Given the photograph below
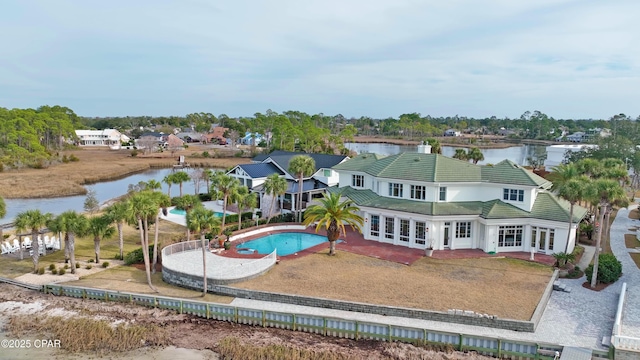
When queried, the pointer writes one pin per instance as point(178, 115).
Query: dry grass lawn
point(636, 258)
point(95, 165)
point(631, 241)
point(498, 286)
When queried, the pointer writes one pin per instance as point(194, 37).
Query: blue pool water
point(183, 213)
point(284, 243)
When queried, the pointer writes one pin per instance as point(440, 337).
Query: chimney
point(424, 149)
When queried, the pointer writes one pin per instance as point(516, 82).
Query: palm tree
point(169, 180)
point(475, 155)
point(460, 154)
point(332, 214)
point(606, 192)
point(162, 201)
point(436, 148)
point(153, 185)
point(244, 199)
point(224, 186)
point(142, 207)
point(180, 177)
point(275, 185)
point(117, 212)
point(302, 166)
point(572, 190)
point(33, 220)
point(207, 174)
point(562, 173)
point(72, 223)
point(187, 203)
point(201, 220)
point(100, 228)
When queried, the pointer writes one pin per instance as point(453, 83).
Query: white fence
point(618, 340)
point(183, 246)
point(267, 230)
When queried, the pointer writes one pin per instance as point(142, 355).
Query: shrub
point(65, 159)
point(41, 270)
point(66, 266)
point(52, 267)
point(609, 269)
point(77, 265)
point(62, 271)
point(54, 271)
point(88, 267)
point(204, 196)
point(90, 260)
point(134, 153)
point(73, 158)
point(136, 257)
point(105, 264)
point(205, 154)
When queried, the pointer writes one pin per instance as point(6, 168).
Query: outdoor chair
point(56, 243)
point(12, 248)
point(26, 243)
point(4, 249)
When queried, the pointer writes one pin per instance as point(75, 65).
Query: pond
point(104, 191)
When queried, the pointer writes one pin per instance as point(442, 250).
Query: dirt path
point(191, 337)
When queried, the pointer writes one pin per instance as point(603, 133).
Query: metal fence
point(183, 246)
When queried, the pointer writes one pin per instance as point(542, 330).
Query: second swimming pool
point(284, 243)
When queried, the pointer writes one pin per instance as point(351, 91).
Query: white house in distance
point(418, 199)
point(107, 137)
point(253, 176)
point(556, 153)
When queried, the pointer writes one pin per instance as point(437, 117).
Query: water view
point(111, 189)
point(104, 191)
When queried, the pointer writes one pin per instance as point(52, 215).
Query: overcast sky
point(378, 58)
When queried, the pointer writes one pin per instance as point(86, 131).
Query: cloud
point(567, 58)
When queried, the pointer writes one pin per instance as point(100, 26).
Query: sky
point(380, 58)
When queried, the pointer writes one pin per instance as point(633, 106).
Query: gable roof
point(546, 207)
point(438, 168)
point(260, 170)
point(508, 172)
point(282, 159)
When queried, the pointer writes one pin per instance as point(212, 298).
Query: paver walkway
point(630, 272)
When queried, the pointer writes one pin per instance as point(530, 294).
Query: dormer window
point(395, 189)
point(513, 195)
point(357, 181)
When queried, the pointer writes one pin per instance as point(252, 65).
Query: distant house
point(107, 137)
point(216, 135)
point(576, 137)
point(251, 139)
point(189, 137)
point(452, 132)
point(173, 142)
point(159, 136)
point(253, 175)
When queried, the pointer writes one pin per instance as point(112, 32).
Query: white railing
point(617, 325)
point(252, 267)
point(266, 230)
point(183, 246)
point(625, 342)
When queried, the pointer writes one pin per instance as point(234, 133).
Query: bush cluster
point(52, 267)
point(62, 271)
point(105, 264)
point(88, 267)
point(609, 269)
point(136, 256)
point(41, 270)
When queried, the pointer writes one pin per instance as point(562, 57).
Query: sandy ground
point(49, 278)
point(192, 338)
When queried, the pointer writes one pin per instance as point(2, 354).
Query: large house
point(107, 137)
point(254, 175)
point(422, 199)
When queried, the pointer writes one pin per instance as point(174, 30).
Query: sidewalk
point(587, 256)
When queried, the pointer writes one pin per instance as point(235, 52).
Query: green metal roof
point(508, 172)
point(438, 168)
point(546, 207)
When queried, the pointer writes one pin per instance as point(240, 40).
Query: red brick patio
point(355, 243)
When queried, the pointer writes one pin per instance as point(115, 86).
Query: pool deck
point(355, 243)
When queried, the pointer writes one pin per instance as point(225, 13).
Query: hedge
point(609, 269)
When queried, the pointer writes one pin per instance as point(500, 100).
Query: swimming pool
point(177, 211)
point(284, 243)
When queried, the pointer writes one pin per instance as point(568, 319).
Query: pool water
point(176, 211)
point(284, 243)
